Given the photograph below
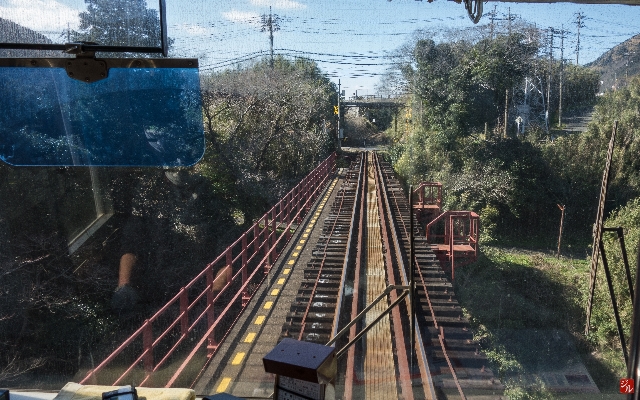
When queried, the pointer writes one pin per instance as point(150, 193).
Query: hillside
point(10, 32)
point(613, 63)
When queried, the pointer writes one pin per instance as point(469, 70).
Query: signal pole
point(339, 114)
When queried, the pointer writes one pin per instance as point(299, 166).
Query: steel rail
point(355, 320)
point(403, 359)
point(347, 255)
point(435, 322)
point(349, 374)
point(446, 356)
point(433, 315)
point(422, 360)
point(383, 314)
point(326, 245)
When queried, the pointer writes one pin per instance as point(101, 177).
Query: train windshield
point(167, 221)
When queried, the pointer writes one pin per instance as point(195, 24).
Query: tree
point(119, 23)
point(266, 127)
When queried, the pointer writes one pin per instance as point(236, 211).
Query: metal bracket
point(84, 67)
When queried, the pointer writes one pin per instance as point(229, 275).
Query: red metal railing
point(429, 193)
point(460, 234)
point(250, 257)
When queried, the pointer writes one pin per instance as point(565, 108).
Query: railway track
point(316, 309)
point(457, 366)
point(363, 248)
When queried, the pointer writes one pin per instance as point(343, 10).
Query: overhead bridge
point(329, 264)
point(375, 102)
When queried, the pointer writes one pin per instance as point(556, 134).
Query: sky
point(351, 39)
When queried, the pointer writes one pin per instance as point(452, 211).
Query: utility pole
point(493, 17)
point(627, 54)
point(550, 69)
point(562, 208)
point(506, 112)
point(270, 23)
point(579, 24)
point(561, 72)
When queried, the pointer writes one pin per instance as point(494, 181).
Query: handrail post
point(296, 203)
point(451, 248)
point(211, 317)
point(184, 314)
point(147, 345)
point(412, 286)
point(256, 238)
point(229, 257)
point(286, 214)
point(274, 235)
point(264, 243)
point(245, 293)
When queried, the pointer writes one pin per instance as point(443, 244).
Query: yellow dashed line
point(291, 262)
point(250, 337)
point(237, 359)
point(302, 241)
point(259, 320)
point(281, 281)
point(298, 247)
point(308, 230)
point(286, 271)
point(295, 255)
point(224, 384)
point(275, 292)
point(268, 305)
point(305, 235)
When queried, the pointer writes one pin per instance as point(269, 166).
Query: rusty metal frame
point(433, 198)
point(469, 236)
point(261, 239)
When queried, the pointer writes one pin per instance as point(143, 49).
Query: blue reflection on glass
point(135, 117)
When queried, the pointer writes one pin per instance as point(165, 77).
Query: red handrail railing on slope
point(250, 256)
point(460, 228)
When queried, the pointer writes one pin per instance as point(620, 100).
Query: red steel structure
point(194, 315)
point(429, 201)
point(459, 240)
